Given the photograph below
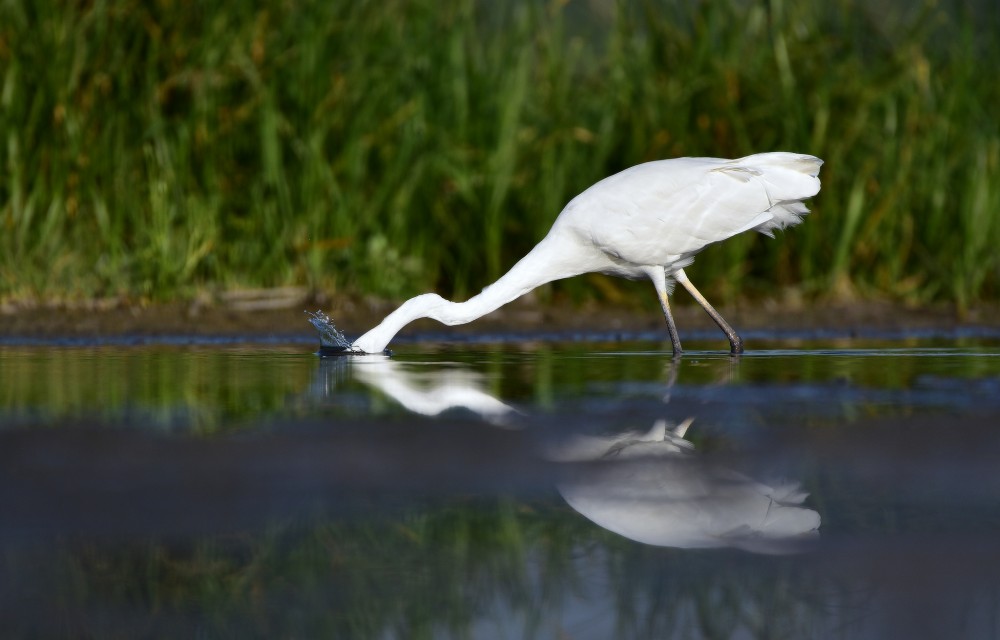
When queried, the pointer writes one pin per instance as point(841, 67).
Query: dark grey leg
point(659, 278)
point(735, 342)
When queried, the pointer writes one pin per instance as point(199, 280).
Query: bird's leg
point(675, 339)
point(659, 278)
point(735, 342)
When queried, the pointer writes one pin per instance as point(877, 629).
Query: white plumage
point(648, 221)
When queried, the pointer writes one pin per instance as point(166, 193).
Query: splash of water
point(330, 338)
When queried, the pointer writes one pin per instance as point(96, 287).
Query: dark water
point(839, 488)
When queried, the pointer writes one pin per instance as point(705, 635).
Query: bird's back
point(663, 212)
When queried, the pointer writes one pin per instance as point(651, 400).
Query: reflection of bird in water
point(652, 488)
point(434, 393)
point(647, 486)
point(429, 392)
point(645, 222)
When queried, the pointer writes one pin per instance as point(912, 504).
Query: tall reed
point(154, 149)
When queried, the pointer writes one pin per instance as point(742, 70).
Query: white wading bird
point(645, 222)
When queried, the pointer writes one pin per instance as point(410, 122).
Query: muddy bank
point(276, 313)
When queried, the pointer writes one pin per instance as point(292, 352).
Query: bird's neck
point(548, 261)
point(536, 268)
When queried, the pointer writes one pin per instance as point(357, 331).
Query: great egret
point(648, 221)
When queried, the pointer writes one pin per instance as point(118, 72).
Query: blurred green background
point(157, 149)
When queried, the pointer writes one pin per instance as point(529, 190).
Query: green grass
point(155, 149)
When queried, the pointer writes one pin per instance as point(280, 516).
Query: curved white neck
point(545, 263)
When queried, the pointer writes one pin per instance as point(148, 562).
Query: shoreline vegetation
point(153, 152)
point(277, 314)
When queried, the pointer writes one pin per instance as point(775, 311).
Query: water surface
point(587, 489)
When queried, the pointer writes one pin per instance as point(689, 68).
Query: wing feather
point(665, 211)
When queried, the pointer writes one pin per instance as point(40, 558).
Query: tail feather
point(788, 179)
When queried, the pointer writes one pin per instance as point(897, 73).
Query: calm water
point(846, 489)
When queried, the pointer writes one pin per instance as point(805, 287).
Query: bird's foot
point(736, 346)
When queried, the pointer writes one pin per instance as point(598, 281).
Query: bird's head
point(422, 306)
